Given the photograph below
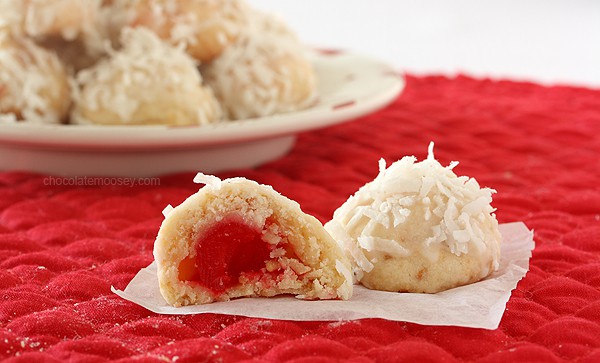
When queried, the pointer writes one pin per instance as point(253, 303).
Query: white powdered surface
point(478, 305)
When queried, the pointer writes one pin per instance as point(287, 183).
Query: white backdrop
point(548, 41)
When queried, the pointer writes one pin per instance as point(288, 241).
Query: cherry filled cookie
point(237, 238)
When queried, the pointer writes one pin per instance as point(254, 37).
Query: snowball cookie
point(48, 18)
point(72, 28)
point(264, 72)
point(419, 228)
point(237, 238)
point(34, 86)
point(147, 82)
point(206, 27)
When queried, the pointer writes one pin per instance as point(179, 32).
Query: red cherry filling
point(225, 251)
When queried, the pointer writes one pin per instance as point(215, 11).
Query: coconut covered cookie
point(147, 82)
point(205, 27)
point(136, 62)
point(265, 71)
point(237, 238)
point(418, 227)
point(34, 85)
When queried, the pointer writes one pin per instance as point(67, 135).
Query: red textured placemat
point(61, 248)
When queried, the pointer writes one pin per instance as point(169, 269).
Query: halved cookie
point(237, 238)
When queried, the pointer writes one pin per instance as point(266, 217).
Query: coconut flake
point(168, 209)
point(271, 238)
point(430, 155)
point(478, 205)
point(382, 166)
point(453, 164)
point(384, 245)
point(345, 241)
point(278, 252)
point(345, 290)
point(209, 180)
point(400, 215)
point(375, 216)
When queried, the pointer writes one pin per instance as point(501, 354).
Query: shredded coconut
point(345, 241)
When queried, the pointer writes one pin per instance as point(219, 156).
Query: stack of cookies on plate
point(148, 62)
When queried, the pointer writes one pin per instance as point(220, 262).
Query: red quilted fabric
point(61, 248)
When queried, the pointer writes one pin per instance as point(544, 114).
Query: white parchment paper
point(478, 305)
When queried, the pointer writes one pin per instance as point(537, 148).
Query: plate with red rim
point(349, 86)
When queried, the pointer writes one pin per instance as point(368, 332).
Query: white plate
point(350, 86)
